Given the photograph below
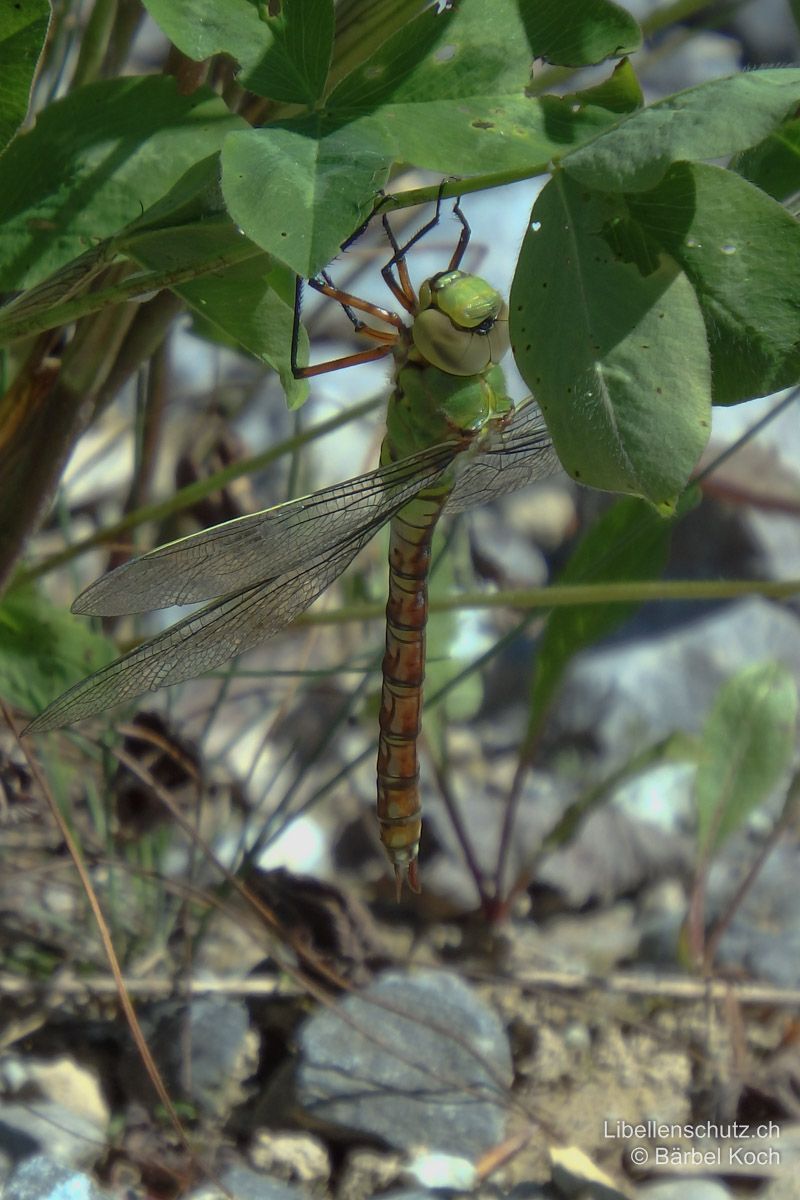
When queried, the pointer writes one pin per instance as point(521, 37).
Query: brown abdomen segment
point(399, 808)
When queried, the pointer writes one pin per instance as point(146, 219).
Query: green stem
point(569, 595)
point(94, 43)
point(131, 288)
point(462, 187)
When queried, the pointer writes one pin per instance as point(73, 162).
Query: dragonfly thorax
point(462, 323)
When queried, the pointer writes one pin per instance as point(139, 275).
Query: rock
point(244, 1184)
point(215, 1033)
point(595, 942)
point(367, 1173)
point(662, 796)
point(775, 535)
point(763, 938)
point(65, 1082)
point(576, 1176)
point(663, 912)
point(630, 840)
point(448, 1171)
point(503, 554)
point(412, 1194)
point(783, 1186)
point(481, 806)
point(627, 694)
point(765, 471)
point(28, 1129)
point(41, 1178)
point(612, 855)
point(532, 1191)
point(293, 1157)
point(434, 1079)
point(685, 1188)
point(61, 1111)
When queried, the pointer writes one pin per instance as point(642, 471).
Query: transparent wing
point(304, 545)
point(513, 456)
point(244, 552)
point(203, 640)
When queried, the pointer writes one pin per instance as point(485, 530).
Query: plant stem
point(94, 43)
point(569, 595)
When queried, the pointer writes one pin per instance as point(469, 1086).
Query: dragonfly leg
point(337, 364)
point(381, 335)
point(386, 338)
point(383, 198)
point(402, 288)
point(403, 291)
point(463, 241)
point(348, 300)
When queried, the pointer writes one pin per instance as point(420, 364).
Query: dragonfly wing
point(203, 640)
point(514, 455)
point(243, 552)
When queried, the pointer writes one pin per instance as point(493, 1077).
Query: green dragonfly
point(453, 440)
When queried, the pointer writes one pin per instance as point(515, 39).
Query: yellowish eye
point(460, 351)
point(462, 325)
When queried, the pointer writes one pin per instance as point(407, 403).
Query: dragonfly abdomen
point(399, 807)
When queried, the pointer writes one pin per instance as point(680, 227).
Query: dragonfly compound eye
point(458, 350)
point(462, 326)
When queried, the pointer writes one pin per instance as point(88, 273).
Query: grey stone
point(39, 1125)
point(763, 938)
point(40, 1178)
point(414, 1060)
point(631, 693)
point(685, 1188)
point(245, 1184)
point(215, 1033)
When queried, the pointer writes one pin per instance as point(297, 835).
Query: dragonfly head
point(462, 323)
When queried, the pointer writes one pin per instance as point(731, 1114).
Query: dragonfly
point(453, 440)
